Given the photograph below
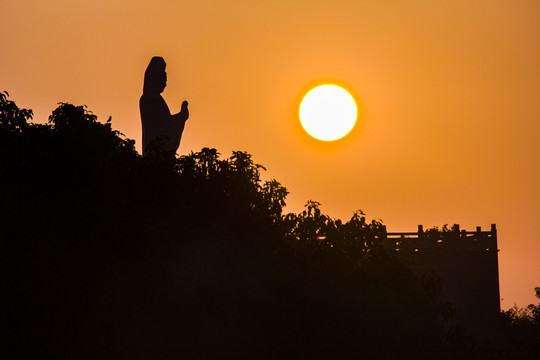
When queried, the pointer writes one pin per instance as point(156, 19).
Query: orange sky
point(449, 90)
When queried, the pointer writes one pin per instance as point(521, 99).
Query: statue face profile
point(162, 81)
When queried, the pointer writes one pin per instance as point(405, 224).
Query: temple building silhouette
point(467, 264)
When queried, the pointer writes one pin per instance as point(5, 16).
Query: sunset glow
point(447, 95)
point(328, 112)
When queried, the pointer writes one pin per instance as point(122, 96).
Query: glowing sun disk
point(328, 112)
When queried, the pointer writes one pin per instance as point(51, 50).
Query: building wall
point(467, 264)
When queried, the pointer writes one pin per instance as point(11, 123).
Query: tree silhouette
point(519, 336)
point(106, 252)
point(12, 119)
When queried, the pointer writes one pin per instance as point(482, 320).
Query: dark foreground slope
point(109, 255)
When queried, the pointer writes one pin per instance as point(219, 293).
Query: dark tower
point(466, 262)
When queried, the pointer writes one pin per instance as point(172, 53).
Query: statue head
point(155, 77)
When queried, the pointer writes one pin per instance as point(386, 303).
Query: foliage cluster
point(108, 254)
point(520, 331)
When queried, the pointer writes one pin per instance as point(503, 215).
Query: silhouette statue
point(161, 131)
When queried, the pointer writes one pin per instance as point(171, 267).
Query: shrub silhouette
point(107, 254)
point(519, 336)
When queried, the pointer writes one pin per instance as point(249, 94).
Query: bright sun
point(328, 112)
